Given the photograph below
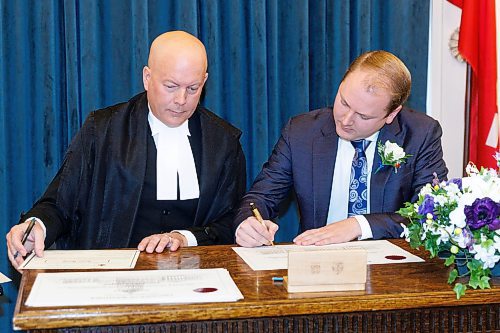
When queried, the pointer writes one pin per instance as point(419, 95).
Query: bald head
point(174, 76)
point(177, 45)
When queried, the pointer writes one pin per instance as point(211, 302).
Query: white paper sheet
point(276, 257)
point(4, 279)
point(133, 287)
point(82, 259)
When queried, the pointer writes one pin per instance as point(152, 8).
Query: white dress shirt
point(337, 210)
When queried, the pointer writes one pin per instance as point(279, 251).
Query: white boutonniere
point(391, 155)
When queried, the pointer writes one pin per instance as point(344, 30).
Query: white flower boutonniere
point(391, 155)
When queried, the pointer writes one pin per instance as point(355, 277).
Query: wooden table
point(398, 298)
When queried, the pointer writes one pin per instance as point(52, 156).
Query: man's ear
point(146, 76)
point(393, 115)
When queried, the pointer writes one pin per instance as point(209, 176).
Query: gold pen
point(257, 215)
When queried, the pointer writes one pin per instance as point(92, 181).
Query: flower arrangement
point(391, 155)
point(460, 219)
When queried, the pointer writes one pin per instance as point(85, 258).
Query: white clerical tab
point(174, 160)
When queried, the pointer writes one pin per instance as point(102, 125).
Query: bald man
point(157, 172)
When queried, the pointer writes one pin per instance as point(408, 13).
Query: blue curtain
point(268, 60)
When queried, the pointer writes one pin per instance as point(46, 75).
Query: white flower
point(471, 169)
point(391, 155)
point(496, 245)
point(457, 217)
point(482, 186)
point(453, 192)
point(405, 233)
point(444, 234)
point(441, 200)
point(486, 255)
point(461, 240)
point(427, 189)
point(397, 152)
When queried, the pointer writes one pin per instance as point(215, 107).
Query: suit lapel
point(324, 155)
point(380, 178)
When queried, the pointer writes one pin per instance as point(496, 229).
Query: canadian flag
point(477, 45)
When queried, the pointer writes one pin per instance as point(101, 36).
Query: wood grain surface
point(398, 297)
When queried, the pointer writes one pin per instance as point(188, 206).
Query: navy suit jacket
point(304, 159)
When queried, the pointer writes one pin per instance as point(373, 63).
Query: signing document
point(82, 259)
point(133, 287)
point(276, 257)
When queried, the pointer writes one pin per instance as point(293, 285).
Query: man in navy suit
point(315, 154)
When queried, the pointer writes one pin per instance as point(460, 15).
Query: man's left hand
point(159, 242)
point(338, 232)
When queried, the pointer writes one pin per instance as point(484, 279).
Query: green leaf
point(450, 260)
point(459, 290)
point(484, 282)
point(474, 279)
point(389, 158)
point(431, 245)
point(453, 276)
point(487, 243)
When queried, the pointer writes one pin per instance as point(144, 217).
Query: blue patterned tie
point(358, 191)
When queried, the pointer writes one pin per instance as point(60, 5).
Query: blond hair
point(389, 73)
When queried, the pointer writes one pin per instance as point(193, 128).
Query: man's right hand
point(35, 241)
point(252, 233)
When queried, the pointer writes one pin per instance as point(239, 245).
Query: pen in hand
point(257, 215)
point(26, 234)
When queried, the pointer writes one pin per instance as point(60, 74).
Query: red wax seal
point(395, 257)
point(205, 290)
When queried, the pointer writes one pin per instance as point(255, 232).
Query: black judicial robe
point(93, 200)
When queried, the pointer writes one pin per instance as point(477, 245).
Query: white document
point(4, 279)
point(82, 259)
point(276, 257)
point(133, 287)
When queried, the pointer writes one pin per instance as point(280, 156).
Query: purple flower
point(457, 181)
point(483, 212)
point(435, 180)
point(468, 238)
point(426, 207)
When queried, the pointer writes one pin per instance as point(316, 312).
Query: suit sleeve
point(272, 184)
point(429, 160)
point(56, 205)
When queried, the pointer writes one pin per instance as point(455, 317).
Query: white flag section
point(82, 259)
point(494, 133)
point(133, 287)
point(276, 257)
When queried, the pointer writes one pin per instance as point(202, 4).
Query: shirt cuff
point(40, 223)
point(366, 230)
point(189, 236)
